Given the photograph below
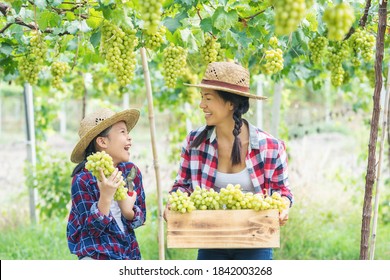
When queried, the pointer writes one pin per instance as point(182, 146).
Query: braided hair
point(89, 151)
point(241, 106)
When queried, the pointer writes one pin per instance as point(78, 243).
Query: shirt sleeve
point(85, 200)
point(279, 179)
point(139, 207)
point(183, 178)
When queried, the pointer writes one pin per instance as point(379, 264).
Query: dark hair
point(91, 148)
point(241, 106)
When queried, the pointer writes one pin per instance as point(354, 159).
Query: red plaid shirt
point(266, 162)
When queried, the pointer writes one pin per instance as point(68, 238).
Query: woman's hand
point(283, 215)
point(167, 208)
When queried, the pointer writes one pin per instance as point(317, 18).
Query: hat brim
point(130, 117)
point(258, 97)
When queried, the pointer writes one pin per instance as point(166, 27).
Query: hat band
point(226, 85)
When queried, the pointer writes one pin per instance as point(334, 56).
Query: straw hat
point(95, 123)
point(229, 77)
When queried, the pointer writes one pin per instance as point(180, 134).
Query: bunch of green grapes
point(58, 71)
point(337, 54)
point(151, 15)
point(318, 47)
point(30, 65)
point(231, 196)
point(189, 94)
point(174, 64)
point(363, 42)
point(288, 14)
point(339, 20)
point(154, 41)
point(209, 51)
point(103, 161)
point(205, 199)
point(273, 61)
point(180, 202)
point(117, 47)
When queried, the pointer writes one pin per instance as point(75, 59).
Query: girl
point(98, 226)
point(230, 150)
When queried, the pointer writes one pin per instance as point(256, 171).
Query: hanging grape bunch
point(154, 41)
point(318, 47)
point(103, 161)
point(288, 14)
point(363, 42)
point(58, 70)
point(190, 94)
point(30, 64)
point(209, 51)
point(339, 20)
point(117, 46)
point(338, 53)
point(151, 15)
point(174, 64)
point(273, 61)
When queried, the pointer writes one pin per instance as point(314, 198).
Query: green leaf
point(48, 19)
point(6, 49)
point(41, 4)
point(224, 20)
point(95, 39)
point(206, 24)
point(172, 24)
point(189, 39)
point(95, 18)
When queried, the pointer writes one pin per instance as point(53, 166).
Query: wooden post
point(155, 155)
point(31, 152)
point(378, 177)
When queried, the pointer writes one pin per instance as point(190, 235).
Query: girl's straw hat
point(95, 123)
point(229, 77)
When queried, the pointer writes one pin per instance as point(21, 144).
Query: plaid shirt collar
point(253, 136)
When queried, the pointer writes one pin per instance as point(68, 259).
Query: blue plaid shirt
point(90, 233)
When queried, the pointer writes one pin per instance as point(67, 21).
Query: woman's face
point(118, 143)
point(216, 110)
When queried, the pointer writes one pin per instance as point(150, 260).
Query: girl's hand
point(127, 205)
point(107, 187)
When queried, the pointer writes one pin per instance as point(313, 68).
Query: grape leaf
point(48, 19)
point(41, 4)
point(224, 20)
point(206, 24)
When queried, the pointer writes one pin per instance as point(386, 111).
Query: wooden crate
point(223, 229)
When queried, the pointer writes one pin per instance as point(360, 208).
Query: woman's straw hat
point(95, 123)
point(229, 77)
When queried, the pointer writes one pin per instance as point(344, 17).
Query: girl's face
point(216, 110)
point(117, 143)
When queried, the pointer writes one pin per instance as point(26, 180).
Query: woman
point(230, 150)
